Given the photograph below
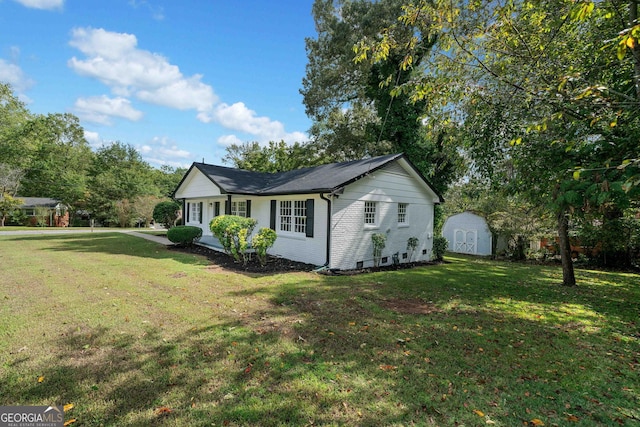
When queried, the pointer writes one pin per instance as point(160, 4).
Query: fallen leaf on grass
point(41, 378)
point(387, 367)
point(573, 418)
point(68, 423)
point(536, 422)
point(68, 407)
point(478, 412)
point(163, 410)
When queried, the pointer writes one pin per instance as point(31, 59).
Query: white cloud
point(238, 117)
point(93, 138)
point(157, 12)
point(100, 109)
point(114, 59)
point(228, 140)
point(42, 4)
point(13, 74)
point(163, 151)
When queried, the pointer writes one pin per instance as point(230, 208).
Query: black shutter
point(272, 218)
point(310, 215)
point(248, 208)
point(200, 213)
point(227, 205)
point(216, 209)
point(188, 209)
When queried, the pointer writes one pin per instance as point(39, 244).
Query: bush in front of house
point(233, 233)
point(185, 235)
point(261, 243)
point(440, 245)
point(166, 213)
point(379, 241)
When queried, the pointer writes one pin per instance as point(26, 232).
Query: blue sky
point(178, 80)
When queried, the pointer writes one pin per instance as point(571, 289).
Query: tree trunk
point(568, 277)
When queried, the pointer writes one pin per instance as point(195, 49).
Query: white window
point(370, 213)
point(194, 212)
point(239, 208)
point(293, 216)
point(402, 213)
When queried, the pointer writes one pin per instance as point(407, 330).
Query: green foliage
point(412, 245)
point(117, 173)
point(379, 241)
point(185, 235)
point(354, 112)
point(234, 233)
point(275, 157)
point(8, 205)
point(261, 242)
point(166, 213)
point(440, 245)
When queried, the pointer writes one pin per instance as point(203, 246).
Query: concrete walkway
point(158, 239)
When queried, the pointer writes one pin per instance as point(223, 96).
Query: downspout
point(328, 228)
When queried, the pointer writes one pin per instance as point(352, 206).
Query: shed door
point(465, 241)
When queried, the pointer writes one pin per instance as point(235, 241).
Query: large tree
point(550, 106)
point(353, 114)
point(117, 173)
point(13, 115)
point(58, 160)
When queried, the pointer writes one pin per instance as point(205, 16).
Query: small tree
point(261, 242)
point(379, 242)
point(234, 234)
point(8, 204)
point(166, 213)
point(412, 245)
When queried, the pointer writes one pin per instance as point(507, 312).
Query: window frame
point(370, 213)
point(292, 217)
point(235, 208)
point(404, 215)
point(194, 212)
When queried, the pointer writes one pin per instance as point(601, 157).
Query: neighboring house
point(468, 233)
point(51, 211)
point(323, 215)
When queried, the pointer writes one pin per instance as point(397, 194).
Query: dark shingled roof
point(34, 202)
point(318, 179)
point(323, 178)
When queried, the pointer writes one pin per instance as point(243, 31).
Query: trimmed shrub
point(166, 213)
point(261, 242)
point(440, 245)
point(234, 232)
point(185, 235)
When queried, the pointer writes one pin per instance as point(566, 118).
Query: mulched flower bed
point(281, 265)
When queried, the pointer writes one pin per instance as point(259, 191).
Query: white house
point(468, 233)
point(323, 215)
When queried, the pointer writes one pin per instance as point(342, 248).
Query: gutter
point(328, 255)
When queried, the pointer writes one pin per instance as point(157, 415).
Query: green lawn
point(133, 334)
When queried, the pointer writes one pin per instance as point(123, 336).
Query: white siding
point(351, 238)
point(296, 246)
point(197, 185)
